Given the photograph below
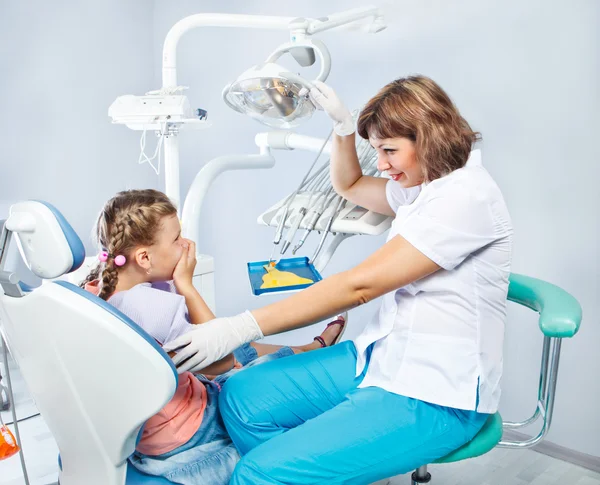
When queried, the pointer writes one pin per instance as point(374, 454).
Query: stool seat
point(487, 438)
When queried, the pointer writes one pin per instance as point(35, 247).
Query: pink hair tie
point(120, 260)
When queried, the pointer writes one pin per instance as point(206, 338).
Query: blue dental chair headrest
point(47, 242)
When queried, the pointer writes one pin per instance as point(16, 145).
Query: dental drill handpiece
point(316, 210)
point(340, 206)
point(292, 230)
point(317, 183)
point(312, 217)
point(278, 233)
point(280, 226)
point(315, 179)
point(307, 180)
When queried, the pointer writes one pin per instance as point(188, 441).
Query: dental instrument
point(301, 210)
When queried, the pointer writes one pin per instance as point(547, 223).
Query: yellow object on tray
point(274, 278)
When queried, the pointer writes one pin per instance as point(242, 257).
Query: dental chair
point(96, 376)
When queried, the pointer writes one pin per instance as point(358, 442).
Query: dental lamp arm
point(395, 265)
point(371, 16)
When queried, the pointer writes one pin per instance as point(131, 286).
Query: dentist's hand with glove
point(422, 377)
point(325, 98)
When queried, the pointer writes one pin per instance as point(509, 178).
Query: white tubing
point(288, 140)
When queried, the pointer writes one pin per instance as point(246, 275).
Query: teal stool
point(560, 317)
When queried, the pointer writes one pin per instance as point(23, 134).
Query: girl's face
point(397, 157)
point(165, 253)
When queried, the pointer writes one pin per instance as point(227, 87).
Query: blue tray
point(299, 266)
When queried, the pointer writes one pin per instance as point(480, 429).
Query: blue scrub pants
point(302, 420)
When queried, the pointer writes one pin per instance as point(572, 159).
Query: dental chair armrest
point(560, 313)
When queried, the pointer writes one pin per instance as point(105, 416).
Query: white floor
point(499, 467)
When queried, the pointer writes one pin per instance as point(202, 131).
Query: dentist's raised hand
point(212, 341)
point(325, 98)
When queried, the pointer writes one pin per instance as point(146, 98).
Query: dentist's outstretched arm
point(395, 265)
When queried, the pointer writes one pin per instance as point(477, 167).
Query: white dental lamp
point(274, 96)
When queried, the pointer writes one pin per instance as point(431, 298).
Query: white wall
point(62, 64)
point(523, 73)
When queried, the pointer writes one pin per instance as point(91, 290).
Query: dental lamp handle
point(305, 83)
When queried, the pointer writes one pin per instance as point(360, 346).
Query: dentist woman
point(424, 374)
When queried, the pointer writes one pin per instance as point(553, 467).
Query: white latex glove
point(211, 341)
point(325, 98)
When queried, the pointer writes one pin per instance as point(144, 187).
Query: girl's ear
point(142, 258)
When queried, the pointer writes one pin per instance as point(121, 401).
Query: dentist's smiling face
point(397, 157)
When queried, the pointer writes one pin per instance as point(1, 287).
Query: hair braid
point(110, 274)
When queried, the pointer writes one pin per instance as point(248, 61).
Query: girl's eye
point(389, 150)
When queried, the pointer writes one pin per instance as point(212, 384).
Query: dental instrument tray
point(299, 266)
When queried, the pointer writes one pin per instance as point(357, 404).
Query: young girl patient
point(145, 271)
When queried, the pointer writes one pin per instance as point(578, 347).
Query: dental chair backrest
point(95, 376)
